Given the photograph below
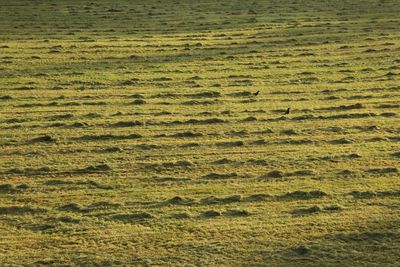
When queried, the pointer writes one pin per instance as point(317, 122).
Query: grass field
point(130, 133)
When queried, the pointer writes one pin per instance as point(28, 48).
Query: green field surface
point(131, 133)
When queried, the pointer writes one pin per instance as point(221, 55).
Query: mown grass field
point(130, 133)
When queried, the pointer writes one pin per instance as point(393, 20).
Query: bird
point(256, 93)
point(287, 111)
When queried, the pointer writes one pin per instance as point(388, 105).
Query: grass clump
point(43, 139)
point(132, 217)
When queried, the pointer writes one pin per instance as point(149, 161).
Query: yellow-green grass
point(130, 135)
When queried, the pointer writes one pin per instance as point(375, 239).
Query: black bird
point(256, 93)
point(287, 111)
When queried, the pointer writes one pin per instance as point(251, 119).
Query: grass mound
point(208, 94)
point(216, 176)
point(224, 200)
point(107, 137)
point(182, 215)
point(180, 201)
point(223, 161)
point(43, 139)
point(237, 213)
point(307, 211)
point(273, 174)
point(132, 217)
point(187, 134)
point(210, 214)
point(138, 102)
point(258, 197)
point(384, 170)
point(301, 173)
point(10, 189)
point(395, 154)
point(71, 207)
point(304, 194)
point(231, 144)
point(95, 168)
point(20, 210)
point(127, 124)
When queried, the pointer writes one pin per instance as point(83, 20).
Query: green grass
point(130, 135)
